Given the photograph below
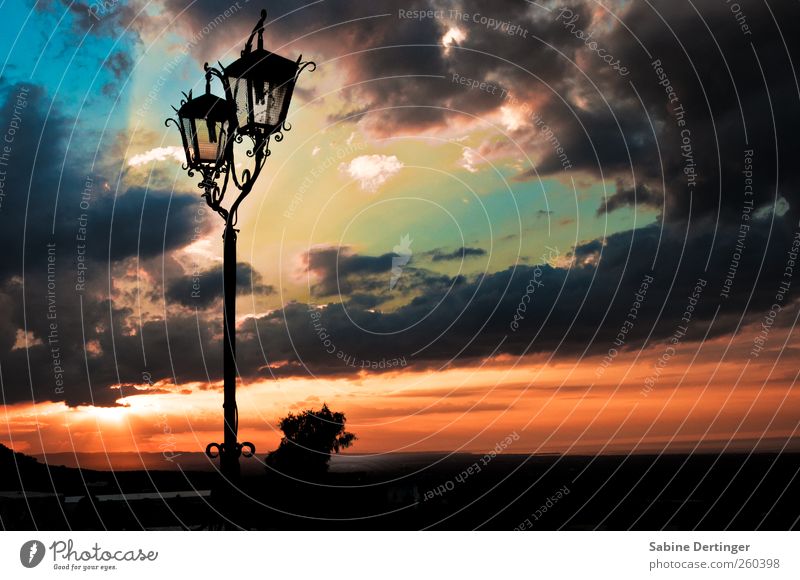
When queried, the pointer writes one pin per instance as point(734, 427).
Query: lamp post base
point(229, 460)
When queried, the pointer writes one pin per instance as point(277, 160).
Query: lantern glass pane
point(262, 105)
point(240, 97)
point(210, 141)
point(188, 134)
point(268, 102)
point(206, 141)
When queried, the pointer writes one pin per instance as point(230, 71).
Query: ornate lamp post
point(258, 87)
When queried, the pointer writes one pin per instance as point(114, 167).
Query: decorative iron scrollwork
point(210, 454)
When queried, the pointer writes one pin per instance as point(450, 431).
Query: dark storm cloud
point(629, 196)
point(66, 238)
point(203, 289)
point(365, 301)
point(459, 254)
point(569, 311)
point(407, 72)
point(110, 18)
point(733, 92)
point(120, 64)
point(339, 271)
point(335, 268)
point(50, 194)
point(587, 252)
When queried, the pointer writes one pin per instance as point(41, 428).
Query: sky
point(577, 222)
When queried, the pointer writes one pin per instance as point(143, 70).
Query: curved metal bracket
point(210, 454)
point(251, 449)
point(244, 449)
point(286, 126)
point(308, 64)
point(212, 71)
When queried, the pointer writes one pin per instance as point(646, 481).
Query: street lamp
point(258, 88)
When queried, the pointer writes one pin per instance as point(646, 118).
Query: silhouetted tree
point(308, 440)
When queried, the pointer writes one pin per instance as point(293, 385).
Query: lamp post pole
point(258, 88)
point(231, 449)
point(229, 454)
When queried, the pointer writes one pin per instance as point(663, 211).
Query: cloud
point(204, 288)
point(454, 35)
point(779, 208)
point(577, 309)
point(335, 268)
point(372, 171)
point(158, 154)
point(459, 254)
point(712, 114)
point(366, 280)
point(71, 246)
point(635, 197)
point(469, 160)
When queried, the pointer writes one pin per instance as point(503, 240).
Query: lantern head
point(203, 123)
point(261, 85)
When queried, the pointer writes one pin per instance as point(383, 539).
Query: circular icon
point(31, 553)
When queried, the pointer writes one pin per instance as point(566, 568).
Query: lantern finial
point(258, 28)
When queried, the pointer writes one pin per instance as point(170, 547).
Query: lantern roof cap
point(262, 64)
point(206, 106)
